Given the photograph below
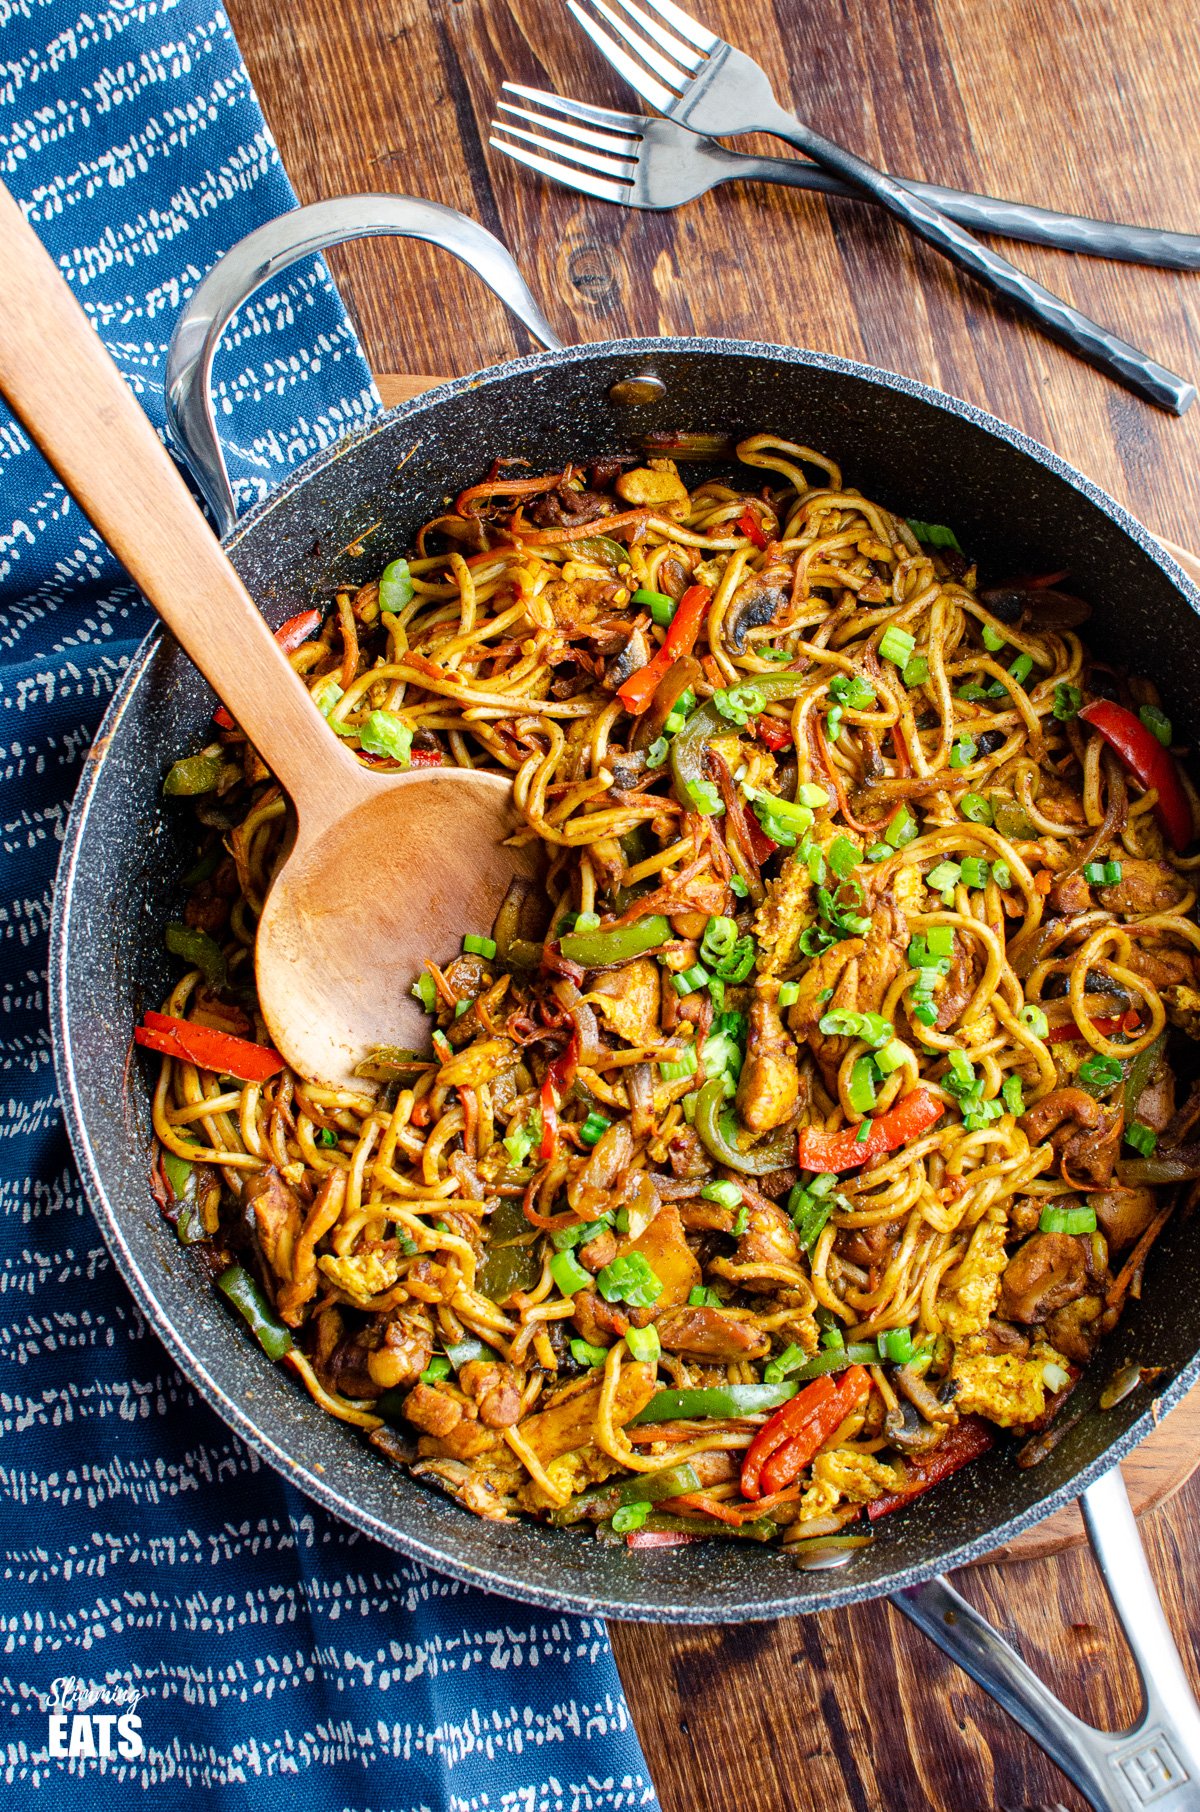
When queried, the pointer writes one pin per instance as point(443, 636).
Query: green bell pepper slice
point(600, 1502)
point(718, 1135)
point(721, 1400)
point(688, 746)
point(597, 949)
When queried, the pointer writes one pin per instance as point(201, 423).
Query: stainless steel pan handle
point(1155, 1764)
point(260, 256)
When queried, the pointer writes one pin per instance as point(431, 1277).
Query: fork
point(703, 83)
point(640, 162)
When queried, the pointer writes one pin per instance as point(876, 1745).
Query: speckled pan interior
point(1013, 504)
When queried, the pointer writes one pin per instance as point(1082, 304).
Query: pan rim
point(498, 1575)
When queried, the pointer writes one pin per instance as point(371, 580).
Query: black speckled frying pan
point(926, 455)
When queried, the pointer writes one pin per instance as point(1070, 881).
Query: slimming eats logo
point(89, 1722)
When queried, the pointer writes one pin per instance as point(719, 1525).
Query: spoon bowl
point(384, 869)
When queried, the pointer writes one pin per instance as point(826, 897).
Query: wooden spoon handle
point(61, 384)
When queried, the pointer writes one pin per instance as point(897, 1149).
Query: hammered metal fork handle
point(1156, 1763)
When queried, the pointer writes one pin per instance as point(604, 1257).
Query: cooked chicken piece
point(657, 485)
point(1085, 1135)
point(1023, 1216)
point(835, 969)
point(467, 1440)
point(589, 1189)
point(599, 1251)
point(872, 1247)
point(960, 985)
point(275, 1209)
point(769, 1244)
point(1059, 799)
point(664, 1247)
point(715, 1467)
point(783, 915)
point(209, 903)
point(1003, 1337)
point(1155, 1106)
point(711, 1333)
point(598, 1322)
point(432, 1411)
point(687, 1157)
point(1163, 965)
point(769, 1085)
point(630, 999)
point(403, 1353)
point(572, 1423)
point(883, 957)
point(1144, 887)
point(478, 1063)
point(1069, 896)
point(1075, 1330)
point(1048, 1271)
point(1183, 1009)
point(1124, 1214)
point(495, 1389)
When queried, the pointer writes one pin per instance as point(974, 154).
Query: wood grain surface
point(1091, 105)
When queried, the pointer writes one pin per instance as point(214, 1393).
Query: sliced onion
point(824, 1552)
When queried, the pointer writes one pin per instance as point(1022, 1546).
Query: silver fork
point(703, 83)
point(639, 162)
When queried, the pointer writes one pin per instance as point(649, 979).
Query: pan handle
point(258, 257)
point(1154, 1764)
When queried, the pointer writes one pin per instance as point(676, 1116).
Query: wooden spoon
point(384, 869)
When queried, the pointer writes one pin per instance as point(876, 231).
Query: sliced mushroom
point(907, 1429)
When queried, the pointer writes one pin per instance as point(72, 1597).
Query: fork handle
point(1154, 246)
point(1126, 363)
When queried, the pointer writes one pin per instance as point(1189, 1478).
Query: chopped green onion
point(782, 820)
point(843, 856)
point(700, 1297)
point(939, 940)
point(741, 1221)
point(662, 608)
point(738, 704)
point(1021, 668)
point(479, 946)
point(584, 1353)
point(896, 645)
point(790, 1360)
point(1067, 1220)
point(944, 877)
point(879, 852)
point(439, 1367)
point(891, 1057)
point(594, 1128)
point(975, 807)
point(738, 887)
point(384, 733)
point(629, 1516)
point(861, 1093)
point(657, 753)
point(993, 641)
point(630, 1279)
point(1102, 874)
point(789, 994)
point(680, 711)
point(737, 965)
point(925, 1011)
point(1012, 1094)
point(963, 753)
point(901, 828)
point(720, 936)
point(1001, 875)
point(586, 921)
point(1067, 700)
point(727, 1194)
point(934, 534)
point(1157, 723)
point(461, 1007)
point(396, 588)
point(327, 1137)
point(896, 1345)
point(852, 690)
point(686, 1066)
point(426, 992)
point(1034, 1020)
point(974, 871)
point(833, 1340)
point(811, 795)
point(703, 796)
point(691, 979)
point(644, 1343)
point(1142, 1138)
point(916, 671)
point(863, 1133)
point(1098, 1074)
point(568, 1273)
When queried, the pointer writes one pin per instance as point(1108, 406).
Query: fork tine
point(600, 141)
point(658, 34)
point(579, 110)
point(571, 179)
point(686, 27)
point(638, 78)
point(606, 166)
point(670, 73)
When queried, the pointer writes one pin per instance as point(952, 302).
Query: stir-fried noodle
point(816, 1117)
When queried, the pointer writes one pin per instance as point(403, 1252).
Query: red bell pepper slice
point(640, 687)
point(557, 1081)
point(1069, 1033)
point(425, 758)
point(781, 1450)
point(772, 733)
point(1145, 757)
point(963, 1443)
point(289, 635)
point(208, 1048)
point(911, 1116)
point(750, 525)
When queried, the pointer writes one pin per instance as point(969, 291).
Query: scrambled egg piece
point(571, 1473)
point(908, 889)
point(858, 1477)
point(783, 915)
point(1183, 1008)
point(967, 1306)
point(367, 1274)
point(1008, 1390)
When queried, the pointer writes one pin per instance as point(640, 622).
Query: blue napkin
point(221, 1636)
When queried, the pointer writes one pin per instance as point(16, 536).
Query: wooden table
point(1090, 107)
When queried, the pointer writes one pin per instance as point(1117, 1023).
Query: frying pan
point(337, 520)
